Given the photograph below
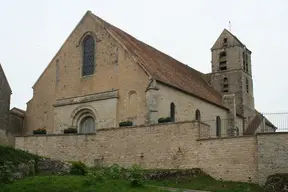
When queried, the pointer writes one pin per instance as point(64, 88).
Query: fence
point(265, 122)
point(279, 120)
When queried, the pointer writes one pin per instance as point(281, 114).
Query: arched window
point(88, 65)
point(172, 111)
point(225, 85)
point(218, 126)
point(198, 115)
point(87, 125)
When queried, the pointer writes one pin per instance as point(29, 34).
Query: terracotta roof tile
point(255, 123)
point(166, 69)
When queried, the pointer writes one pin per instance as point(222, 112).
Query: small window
point(225, 85)
point(223, 65)
point(222, 54)
point(172, 111)
point(247, 85)
point(198, 115)
point(225, 40)
point(218, 126)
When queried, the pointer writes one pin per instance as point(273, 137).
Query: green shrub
point(165, 119)
point(125, 123)
point(113, 172)
point(70, 130)
point(78, 168)
point(6, 172)
point(136, 176)
point(93, 178)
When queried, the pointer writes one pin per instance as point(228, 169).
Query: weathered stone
point(55, 167)
point(174, 174)
point(277, 183)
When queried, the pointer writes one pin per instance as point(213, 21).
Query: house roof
point(2, 71)
point(18, 111)
point(255, 123)
point(163, 67)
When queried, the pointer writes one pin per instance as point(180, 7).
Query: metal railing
point(263, 123)
point(279, 120)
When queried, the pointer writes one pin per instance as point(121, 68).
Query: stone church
point(101, 76)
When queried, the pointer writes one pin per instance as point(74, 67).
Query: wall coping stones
point(219, 138)
point(114, 128)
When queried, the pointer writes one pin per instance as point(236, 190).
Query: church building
point(102, 76)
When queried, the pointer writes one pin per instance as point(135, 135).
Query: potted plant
point(70, 130)
point(39, 131)
point(125, 123)
point(165, 119)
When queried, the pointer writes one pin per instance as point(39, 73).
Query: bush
point(70, 130)
point(165, 120)
point(39, 131)
point(113, 172)
point(94, 177)
point(125, 123)
point(136, 176)
point(6, 172)
point(78, 168)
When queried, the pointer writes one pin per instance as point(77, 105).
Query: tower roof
point(232, 41)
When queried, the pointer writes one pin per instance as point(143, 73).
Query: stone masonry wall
point(3, 138)
point(172, 145)
point(231, 158)
point(272, 154)
point(115, 70)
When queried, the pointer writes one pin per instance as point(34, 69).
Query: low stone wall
point(272, 154)
point(166, 146)
point(157, 146)
point(229, 158)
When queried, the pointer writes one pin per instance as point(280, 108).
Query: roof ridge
point(163, 67)
point(107, 25)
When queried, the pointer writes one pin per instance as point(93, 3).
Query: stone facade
point(168, 146)
point(115, 70)
point(229, 56)
point(61, 89)
point(16, 120)
point(5, 94)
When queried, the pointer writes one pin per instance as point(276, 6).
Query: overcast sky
point(32, 31)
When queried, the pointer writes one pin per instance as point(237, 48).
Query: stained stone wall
point(272, 154)
point(172, 145)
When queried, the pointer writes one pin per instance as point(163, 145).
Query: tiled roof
point(255, 123)
point(164, 68)
point(18, 111)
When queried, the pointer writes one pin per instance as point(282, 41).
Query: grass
point(72, 184)
point(15, 156)
point(208, 183)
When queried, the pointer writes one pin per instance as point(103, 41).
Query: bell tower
point(231, 72)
